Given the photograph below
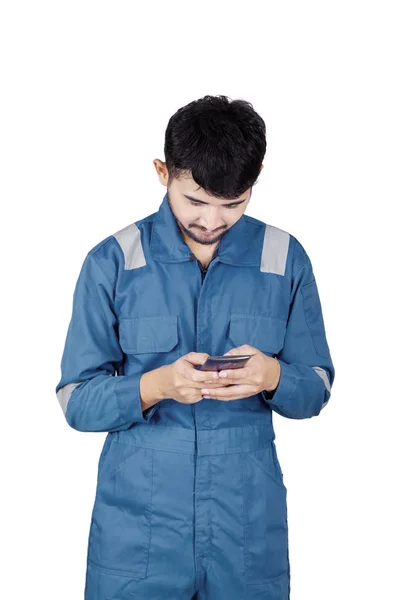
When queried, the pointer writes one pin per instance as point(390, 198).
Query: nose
point(213, 226)
point(211, 220)
point(212, 230)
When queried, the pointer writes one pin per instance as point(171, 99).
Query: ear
point(162, 171)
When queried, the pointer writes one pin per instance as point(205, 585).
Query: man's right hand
point(183, 382)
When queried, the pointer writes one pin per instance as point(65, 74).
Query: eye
point(199, 204)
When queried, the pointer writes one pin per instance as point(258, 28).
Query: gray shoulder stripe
point(275, 250)
point(322, 373)
point(64, 394)
point(130, 241)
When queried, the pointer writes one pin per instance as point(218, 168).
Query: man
point(190, 500)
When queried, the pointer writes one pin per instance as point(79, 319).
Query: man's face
point(201, 217)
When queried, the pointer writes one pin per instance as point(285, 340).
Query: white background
point(87, 91)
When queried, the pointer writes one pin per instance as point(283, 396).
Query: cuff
point(127, 391)
point(285, 388)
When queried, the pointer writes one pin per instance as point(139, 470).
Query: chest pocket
point(265, 333)
point(150, 341)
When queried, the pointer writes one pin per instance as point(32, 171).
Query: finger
point(244, 349)
point(233, 376)
point(209, 385)
point(228, 375)
point(237, 350)
point(199, 380)
point(196, 358)
point(203, 376)
point(228, 392)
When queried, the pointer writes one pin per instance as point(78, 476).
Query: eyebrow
point(201, 201)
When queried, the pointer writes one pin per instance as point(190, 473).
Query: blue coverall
point(190, 500)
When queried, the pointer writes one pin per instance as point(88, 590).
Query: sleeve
point(307, 371)
point(91, 395)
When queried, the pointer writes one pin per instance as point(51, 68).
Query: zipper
point(203, 274)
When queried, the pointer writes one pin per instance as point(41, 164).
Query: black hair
point(219, 142)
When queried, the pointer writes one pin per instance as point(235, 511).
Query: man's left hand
point(260, 373)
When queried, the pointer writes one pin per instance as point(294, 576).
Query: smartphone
point(219, 363)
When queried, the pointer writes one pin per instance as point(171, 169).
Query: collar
point(236, 247)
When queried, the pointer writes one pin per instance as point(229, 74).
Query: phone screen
point(218, 363)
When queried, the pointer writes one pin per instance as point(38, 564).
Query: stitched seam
point(113, 571)
point(271, 579)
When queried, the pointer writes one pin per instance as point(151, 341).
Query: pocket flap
point(138, 335)
point(264, 333)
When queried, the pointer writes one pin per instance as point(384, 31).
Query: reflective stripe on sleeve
point(322, 373)
point(64, 394)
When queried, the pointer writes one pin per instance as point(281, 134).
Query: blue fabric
point(190, 499)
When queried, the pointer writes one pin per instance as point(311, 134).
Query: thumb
point(197, 358)
point(238, 350)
